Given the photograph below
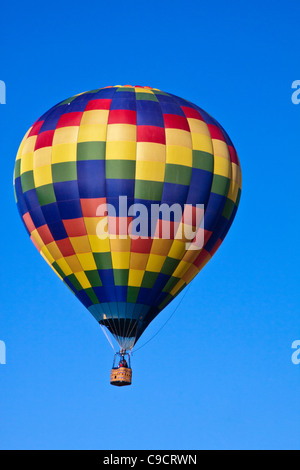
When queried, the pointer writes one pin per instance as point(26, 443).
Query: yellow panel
point(150, 151)
point(65, 135)
point(27, 162)
point(177, 287)
point(29, 144)
point(64, 267)
point(64, 153)
point(198, 127)
point(222, 167)
point(42, 176)
point(151, 171)
point(54, 250)
point(36, 237)
point(99, 246)
point(97, 116)
point(236, 173)
point(202, 142)
point(143, 90)
point(120, 260)
point(120, 244)
point(92, 133)
point(178, 137)
point(123, 132)
point(91, 224)
point(181, 269)
point(179, 155)
point(87, 261)
point(42, 157)
point(73, 263)
point(135, 277)
point(120, 150)
point(155, 263)
point(81, 244)
point(83, 280)
point(177, 250)
point(21, 148)
point(47, 254)
point(221, 149)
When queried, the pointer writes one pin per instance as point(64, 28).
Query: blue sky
point(219, 375)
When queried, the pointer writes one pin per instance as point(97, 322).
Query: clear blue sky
point(233, 384)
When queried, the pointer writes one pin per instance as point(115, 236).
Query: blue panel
point(51, 213)
point(70, 209)
point(200, 187)
point(66, 190)
point(84, 298)
point(175, 193)
point(58, 231)
point(31, 199)
point(116, 188)
point(52, 117)
point(37, 217)
point(104, 93)
point(149, 113)
point(91, 178)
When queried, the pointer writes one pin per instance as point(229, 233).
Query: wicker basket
point(121, 376)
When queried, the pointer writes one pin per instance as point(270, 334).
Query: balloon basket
point(122, 374)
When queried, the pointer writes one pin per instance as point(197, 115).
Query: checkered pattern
point(139, 142)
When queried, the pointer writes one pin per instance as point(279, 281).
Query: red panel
point(28, 222)
point(173, 121)
point(191, 113)
point(122, 116)
point(36, 128)
point(45, 234)
point(151, 134)
point(98, 104)
point(44, 139)
point(75, 227)
point(69, 119)
point(141, 245)
point(65, 247)
point(89, 206)
point(233, 155)
point(215, 132)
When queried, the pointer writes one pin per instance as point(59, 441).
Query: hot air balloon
point(87, 176)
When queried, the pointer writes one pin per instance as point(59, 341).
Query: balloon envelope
point(124, 262)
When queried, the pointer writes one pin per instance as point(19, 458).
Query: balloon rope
point(175, 310)
point(108, 338)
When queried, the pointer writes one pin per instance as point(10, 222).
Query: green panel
point(149, 279)
point(120, 169)
point(103, 260)
point(90, 292)
point(91, 151)
point(169, 265)
point(62, 172)
point(124, 88)
point(121, 277)
point(228, 209)
point(58, 270)
point(27, 181)
point(178, 174)
point(220, 185)
point(94, 278)
point(132, 294)
point(73, 279)
point(18, 168)
point(203, 160)
point(170, 284)
point(46, 194)
point(150, 190)
point(145, 96)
